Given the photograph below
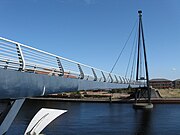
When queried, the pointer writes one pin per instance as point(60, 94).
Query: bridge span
point(26, 71)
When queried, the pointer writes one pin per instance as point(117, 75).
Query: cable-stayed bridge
point(26, 72)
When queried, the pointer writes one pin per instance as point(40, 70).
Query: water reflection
point(143, 126)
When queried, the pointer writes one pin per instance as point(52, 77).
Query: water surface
point(102, 119)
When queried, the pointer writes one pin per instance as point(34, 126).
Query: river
point(102, 119)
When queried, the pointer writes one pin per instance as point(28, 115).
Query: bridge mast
point(146, 89)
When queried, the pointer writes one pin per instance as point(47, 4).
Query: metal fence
point(17, 56)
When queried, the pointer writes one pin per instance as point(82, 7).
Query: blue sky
point(93, 32)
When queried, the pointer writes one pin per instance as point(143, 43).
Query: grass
point(170, 93)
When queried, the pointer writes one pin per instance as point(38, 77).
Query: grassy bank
point(169, 93)
point(113, 94)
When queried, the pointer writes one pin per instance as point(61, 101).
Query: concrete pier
point(142, 105)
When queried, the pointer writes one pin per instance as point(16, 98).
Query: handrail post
point(124, 81)
point(116, 79)
point(81, 71)
point(21, 57)
point(6, 66)
point(60, 67)
point(94, 73)
point(111, 78)
point(120, 80)
point(103, 76)
point(128, 80)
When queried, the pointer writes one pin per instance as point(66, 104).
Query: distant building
point(161, 83)
point(176, 84)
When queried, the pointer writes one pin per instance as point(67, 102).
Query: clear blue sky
point(93, 32)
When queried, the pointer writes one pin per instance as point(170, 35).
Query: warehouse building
point(161, 83)
point(176, 84)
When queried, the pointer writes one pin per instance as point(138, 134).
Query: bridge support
point(142, 91)
point(42, 119)
point(141, 97)
point(142, 105)
point(9, 115)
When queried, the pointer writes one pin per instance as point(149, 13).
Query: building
point(161, 83)
point(176, 84)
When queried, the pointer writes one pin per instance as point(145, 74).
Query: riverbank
point(105, 100)
point(169, 93)
point(166, 96)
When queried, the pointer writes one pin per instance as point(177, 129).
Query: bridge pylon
point(142, 91)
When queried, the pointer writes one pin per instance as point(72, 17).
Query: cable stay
point(132, 58)
point(120, 54)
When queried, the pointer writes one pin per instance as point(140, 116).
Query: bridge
point(26, 72)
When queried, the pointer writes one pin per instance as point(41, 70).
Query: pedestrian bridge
point(26, 71)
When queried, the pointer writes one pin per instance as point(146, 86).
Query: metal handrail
point(7, 47)
point(30, 58)
point(1, 38)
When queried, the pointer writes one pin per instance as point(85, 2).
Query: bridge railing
point(17, 56)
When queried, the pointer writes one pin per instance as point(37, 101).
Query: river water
point(102, 119)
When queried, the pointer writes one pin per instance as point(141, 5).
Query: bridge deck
point(27, 71)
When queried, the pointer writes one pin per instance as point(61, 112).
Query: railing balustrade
point(17, 56)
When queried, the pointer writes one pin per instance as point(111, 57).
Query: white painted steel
point(38, 60)
point(11, 116)
point(1, 38)
point(42, 119)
